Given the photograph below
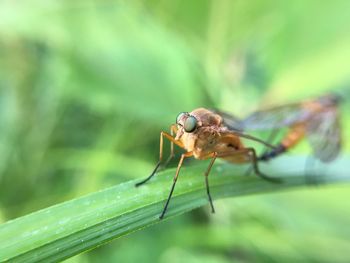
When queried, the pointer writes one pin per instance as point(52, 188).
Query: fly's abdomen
point(272, 154)
point(292, 138)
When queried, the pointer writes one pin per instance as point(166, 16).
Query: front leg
point(172, 141)
point(173, 130)
point(183, 156)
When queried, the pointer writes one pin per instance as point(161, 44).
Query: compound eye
point(180, 116)
point(190, 124)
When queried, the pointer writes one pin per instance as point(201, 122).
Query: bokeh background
point(86, 87)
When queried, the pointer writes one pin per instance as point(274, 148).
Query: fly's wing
point(323, 132)
point(276, 118)
point(230, 121)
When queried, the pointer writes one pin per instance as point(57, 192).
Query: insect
point(317, 120)
point(204, 135)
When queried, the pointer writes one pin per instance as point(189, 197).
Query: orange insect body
point(295, 135)
point(211, 136)
point(204, 135)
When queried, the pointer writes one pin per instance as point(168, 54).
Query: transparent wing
point(276, 117)
point(323, 132)
point(230, 121)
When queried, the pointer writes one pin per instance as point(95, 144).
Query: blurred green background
point(86, 87)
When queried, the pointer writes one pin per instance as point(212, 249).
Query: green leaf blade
point(66, 229)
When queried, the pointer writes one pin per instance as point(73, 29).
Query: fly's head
point(196, 122)
point(198, 130)
point(186, 123)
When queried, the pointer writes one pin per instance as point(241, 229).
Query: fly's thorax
point(207, 117)
point(188, 140)
point(202, 142)
point(207, 139)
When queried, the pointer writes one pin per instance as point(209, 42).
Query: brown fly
point(204, 135)
point(317, 120)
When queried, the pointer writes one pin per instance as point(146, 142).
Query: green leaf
point(66, 229)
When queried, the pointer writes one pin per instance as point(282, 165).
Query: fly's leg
point(254, 160)
point(271, 138)
point(214, 155)
point(183, 156)
point(249, 152)
point(172, 141)
point(171, 156)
